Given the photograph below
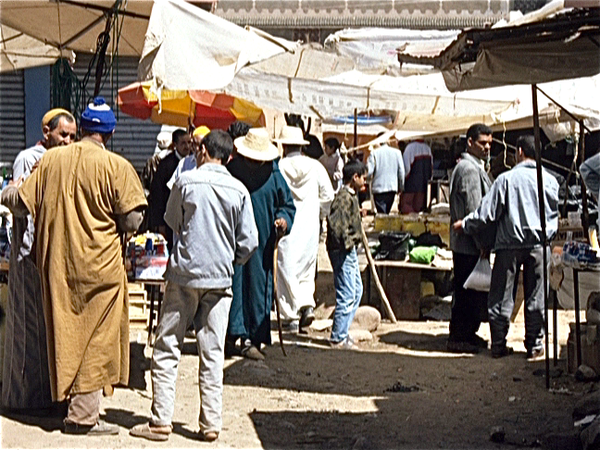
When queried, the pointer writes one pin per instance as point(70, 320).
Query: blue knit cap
point(98, 117)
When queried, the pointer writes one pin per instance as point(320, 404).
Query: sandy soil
point(403, 390)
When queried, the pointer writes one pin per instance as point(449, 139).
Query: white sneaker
point(346, 344)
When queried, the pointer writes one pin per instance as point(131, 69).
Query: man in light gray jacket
point(512, 204)
point(468, 185)
point(212, 213)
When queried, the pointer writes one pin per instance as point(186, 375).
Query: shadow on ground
point(429, 399)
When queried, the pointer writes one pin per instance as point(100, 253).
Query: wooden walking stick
point(275, 296)
point(371, 261)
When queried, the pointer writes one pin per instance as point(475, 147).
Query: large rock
point(585, 373)
point(366, 318)
point(588, 405)
point(361, 335)
point(590, 436)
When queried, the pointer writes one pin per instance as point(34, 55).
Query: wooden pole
point(276, 295)
point(371, 263)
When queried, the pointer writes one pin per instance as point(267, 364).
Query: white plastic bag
point(481, 277)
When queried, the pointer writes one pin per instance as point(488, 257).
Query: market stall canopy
point(307, 79)
point(187, 48)
point(76, 25)
point(419, 103)
point(181, 108)
point(19, 51)
point(561, 45)
point(375, 50)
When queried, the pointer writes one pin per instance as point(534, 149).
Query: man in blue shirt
point(511, 206)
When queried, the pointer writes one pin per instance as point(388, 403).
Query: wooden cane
point(371, 261)
point(275, 296)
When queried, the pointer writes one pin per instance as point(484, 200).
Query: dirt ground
point(400, 391)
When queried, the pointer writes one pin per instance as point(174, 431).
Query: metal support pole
point(555, 326)
point(355, 128)
point(577, 320)
point(542, 210)
point(585, 216)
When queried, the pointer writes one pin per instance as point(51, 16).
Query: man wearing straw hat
point(25, 378)
point(274, 212)
point(82, 199)
point(297, 258)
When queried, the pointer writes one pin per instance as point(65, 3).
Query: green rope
point(67, 91)
point(65, 87)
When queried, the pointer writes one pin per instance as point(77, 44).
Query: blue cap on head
point(98, 117)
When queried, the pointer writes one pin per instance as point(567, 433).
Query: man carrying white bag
point(481, 277)
point(512, 205)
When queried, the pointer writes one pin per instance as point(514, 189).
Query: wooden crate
point(138, 305)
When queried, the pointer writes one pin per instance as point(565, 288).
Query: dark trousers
point(501, 302)
point(384, 201)
point(469, 307)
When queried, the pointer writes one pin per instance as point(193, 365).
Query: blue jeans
point(348, 291)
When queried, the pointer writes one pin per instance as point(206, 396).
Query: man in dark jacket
point(468, 185)
point(159, 192)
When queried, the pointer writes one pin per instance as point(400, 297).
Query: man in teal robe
point(273, 204)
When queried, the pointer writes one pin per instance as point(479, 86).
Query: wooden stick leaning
point(275, 296)
point(375, 276)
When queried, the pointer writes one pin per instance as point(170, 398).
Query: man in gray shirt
point(212, 214)
point(590, 172)
point(512, 205)
point(468, 185)
point(386, 167)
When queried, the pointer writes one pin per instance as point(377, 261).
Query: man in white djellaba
point(297, 258)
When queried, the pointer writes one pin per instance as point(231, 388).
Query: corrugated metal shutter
point(12, 116)
point(134, 139)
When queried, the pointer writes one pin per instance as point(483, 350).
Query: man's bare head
point(58, 129)
point(479, 141)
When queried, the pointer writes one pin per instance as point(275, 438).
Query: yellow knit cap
point(52, 114)
point(201, 131)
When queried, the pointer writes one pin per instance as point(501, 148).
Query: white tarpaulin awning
point(187, 48)
point(376, 49)
point(19, 51)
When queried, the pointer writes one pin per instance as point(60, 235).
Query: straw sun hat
point(291, 136)
point(257, 145)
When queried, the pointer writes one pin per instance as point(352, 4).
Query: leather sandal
point(151, 432)
point(251, 352)
point(101, 428)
